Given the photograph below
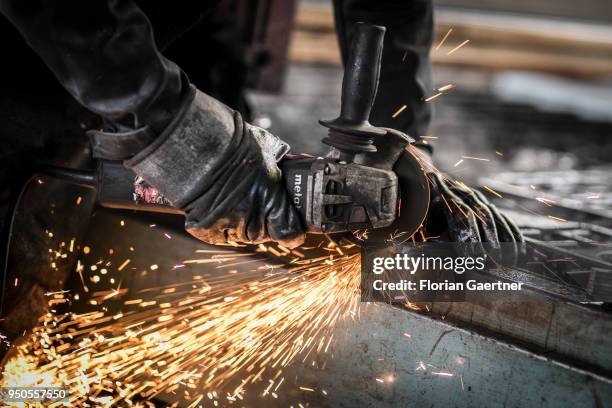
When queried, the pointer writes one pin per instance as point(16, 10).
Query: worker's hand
point(223, 173)
point(247, 201)
point(458, 213)
point(464, 215)
point(469, 216)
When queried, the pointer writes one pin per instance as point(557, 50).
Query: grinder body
point(334, 196)
point(356, 186)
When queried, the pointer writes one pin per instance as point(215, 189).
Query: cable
point(83, 178)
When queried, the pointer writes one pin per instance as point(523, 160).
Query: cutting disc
point(413, 201)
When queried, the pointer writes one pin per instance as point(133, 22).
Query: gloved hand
point(458, 213)
point(464, 215)
point(469, 216)
point(223, 173)
point(245, 200)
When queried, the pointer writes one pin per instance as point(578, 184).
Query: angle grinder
point(368, 181)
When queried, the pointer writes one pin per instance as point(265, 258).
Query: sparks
point(442, 373)
point(457, 47)
point(400, 110)
point(556, 218)
point(450, 30)
point(433, 97)
point(545, 201)
point(474, 158)
point(59, 292)
point(490, 190)
point(212, 332)
point(123, 265)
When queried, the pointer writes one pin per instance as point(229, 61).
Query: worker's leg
point(405, 77)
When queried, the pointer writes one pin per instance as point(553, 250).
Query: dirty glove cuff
point(193, 144)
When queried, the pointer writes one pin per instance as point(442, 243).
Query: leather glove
point(464, 215)
point(223, 173)
point(469, 215)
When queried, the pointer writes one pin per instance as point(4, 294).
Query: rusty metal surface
point(442, 365)
point(547, 326)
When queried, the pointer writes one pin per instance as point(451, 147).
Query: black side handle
point(361, 74)
point(359, 86)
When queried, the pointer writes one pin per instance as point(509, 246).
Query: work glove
point(470, 217)
point(457, 213)
point(461, 214)
point(222, 172)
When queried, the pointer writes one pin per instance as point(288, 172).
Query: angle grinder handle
point(361, 74)
point(351, 132)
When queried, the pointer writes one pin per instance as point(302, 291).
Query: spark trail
point(226, 332)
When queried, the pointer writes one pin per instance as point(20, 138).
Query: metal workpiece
point(555, 318)
point(389, 357)
point(556, 315)
point(576, 334)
